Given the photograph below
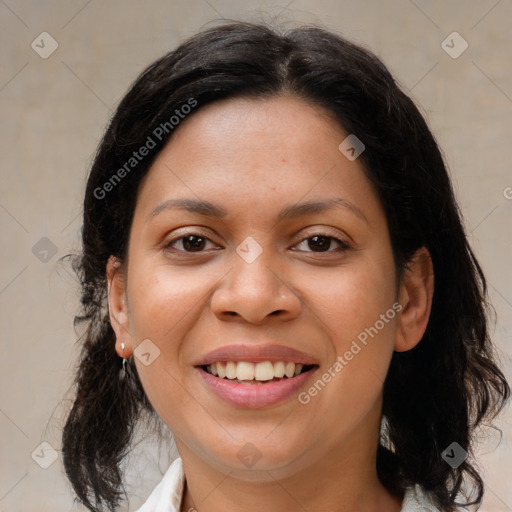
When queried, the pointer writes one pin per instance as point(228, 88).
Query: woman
point(263, 225)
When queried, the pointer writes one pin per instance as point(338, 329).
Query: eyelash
point(342, 245)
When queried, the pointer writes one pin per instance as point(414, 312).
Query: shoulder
point(417, 500)
point(167, 495)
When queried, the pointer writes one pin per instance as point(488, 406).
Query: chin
point(252, 462)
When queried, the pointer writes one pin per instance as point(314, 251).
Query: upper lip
point(256, 354)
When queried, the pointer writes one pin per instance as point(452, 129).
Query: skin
point(253, 158)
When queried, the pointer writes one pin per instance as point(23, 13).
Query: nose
point(252, 292)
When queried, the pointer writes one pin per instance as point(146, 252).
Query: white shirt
point(168, 494)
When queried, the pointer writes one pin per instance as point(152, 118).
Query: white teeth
point(261, 372)
point(289, 369)
point(221, 369)
point(279, 369)
point(244, 371)
point(264, 371)
point(231, 370)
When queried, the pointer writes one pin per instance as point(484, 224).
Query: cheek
point(351, 299)
point(355, 307)
point(163, 300)
point(163, 308)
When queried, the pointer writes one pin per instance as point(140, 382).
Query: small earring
point(122, 371)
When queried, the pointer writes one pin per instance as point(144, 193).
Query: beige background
point(54, 111)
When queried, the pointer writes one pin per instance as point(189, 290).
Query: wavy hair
point(434, 394)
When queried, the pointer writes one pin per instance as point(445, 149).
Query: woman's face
point(256, 240)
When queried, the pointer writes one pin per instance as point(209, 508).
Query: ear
point(415, 297)
point(118, 307)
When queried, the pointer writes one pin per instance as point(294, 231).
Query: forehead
point(259, 152)
point(245, 127)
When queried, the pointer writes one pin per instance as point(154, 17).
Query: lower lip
point(254, 396)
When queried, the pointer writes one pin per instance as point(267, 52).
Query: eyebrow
point(191, 205)
point(296, 210)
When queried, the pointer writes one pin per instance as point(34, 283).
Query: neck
point(344, 479)
point(295, 494)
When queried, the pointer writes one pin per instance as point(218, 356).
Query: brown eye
point(319, 243)
point(189, 243)
point(322, 243)
point(193, 243)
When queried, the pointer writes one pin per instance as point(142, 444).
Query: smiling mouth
point(245, 372)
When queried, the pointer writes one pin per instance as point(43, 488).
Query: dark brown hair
point(434, 394)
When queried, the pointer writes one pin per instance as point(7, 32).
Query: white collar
point(168, 494)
